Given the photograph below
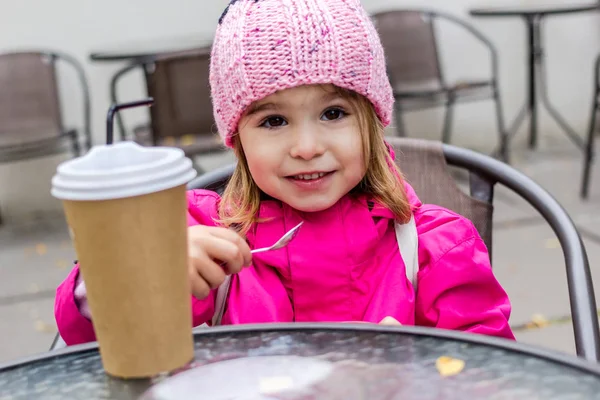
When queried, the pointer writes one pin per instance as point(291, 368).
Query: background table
point(380, 362)
point(533, 16)
point(142, 51)
point(145, 49)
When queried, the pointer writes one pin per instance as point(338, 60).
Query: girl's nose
point(307, 144)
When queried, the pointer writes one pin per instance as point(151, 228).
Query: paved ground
point(36, 254)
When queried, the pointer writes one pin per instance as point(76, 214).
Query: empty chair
point(589, 145)
point(31, 123)
point(416, 74)
point(182, 115)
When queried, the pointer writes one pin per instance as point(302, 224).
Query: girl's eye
point(332, 114)
point(273, 122)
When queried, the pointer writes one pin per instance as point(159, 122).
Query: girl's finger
point(218, 249)
point(390, 321)
point(200, 288)
point(212, 273)
point(236, 239)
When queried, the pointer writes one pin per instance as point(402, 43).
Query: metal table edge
point(458, 336)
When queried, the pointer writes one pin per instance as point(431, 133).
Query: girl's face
point(303, 146)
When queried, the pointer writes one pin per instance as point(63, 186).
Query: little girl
point(300, 93)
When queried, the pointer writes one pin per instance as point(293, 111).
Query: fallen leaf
point(552, 243)
point(34, 288)
point(509, 224)
point(448, 366)
point(169, 141)
point(41, 249)
point(188, 140)
point(523, 294)
point(41, 326)
point(539, 321)
point(62, 264)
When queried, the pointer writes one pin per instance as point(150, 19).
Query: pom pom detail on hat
point(264, 46)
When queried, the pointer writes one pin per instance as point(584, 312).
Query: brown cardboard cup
point(128, 221)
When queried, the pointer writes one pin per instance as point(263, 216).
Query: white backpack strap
point(408, 245)
point(221, 300)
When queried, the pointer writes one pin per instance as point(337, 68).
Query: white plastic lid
point(121, 170)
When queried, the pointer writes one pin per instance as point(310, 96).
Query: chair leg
point(448, 117)
point(400, 128)
point(502, 133)
point(589, 149)
point(75, 147)
point(58, 343)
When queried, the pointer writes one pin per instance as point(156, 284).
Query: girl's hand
point(390, 321)
point(386, 321)
point(208, 247)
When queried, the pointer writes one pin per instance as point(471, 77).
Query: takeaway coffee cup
point(126, 207)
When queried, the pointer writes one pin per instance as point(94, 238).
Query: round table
point(135, 51)
point(325, 361)
point(521, 9)
point(533, 15)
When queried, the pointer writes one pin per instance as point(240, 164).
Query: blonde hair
point(239, 206)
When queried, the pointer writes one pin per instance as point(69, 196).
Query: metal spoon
point(282, 242)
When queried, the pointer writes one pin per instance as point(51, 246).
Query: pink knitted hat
point(263, 46)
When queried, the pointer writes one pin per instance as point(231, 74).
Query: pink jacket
point(344, 265)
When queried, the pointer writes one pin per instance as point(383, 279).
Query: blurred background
point(35, 251)
point(80, 28)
